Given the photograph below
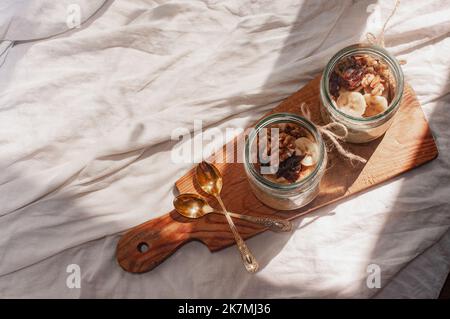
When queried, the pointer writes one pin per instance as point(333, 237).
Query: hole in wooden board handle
point(147, 245)
point(142, 247)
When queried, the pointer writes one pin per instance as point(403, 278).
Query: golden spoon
point(194, 206)
point(210, 181)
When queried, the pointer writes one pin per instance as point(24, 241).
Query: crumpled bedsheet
point(86, 118)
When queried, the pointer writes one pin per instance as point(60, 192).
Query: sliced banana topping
point(351, 103)
point(375, 105)
point(309, 149)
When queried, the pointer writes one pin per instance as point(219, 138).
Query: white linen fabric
point(25, 20)
point(86, 119)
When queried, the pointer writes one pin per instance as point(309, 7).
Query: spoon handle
point(249, 260)
point(273, 223)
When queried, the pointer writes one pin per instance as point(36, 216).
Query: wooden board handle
point(145, 246)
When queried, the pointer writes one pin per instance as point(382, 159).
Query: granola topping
point(362, 85)
point(297, 153)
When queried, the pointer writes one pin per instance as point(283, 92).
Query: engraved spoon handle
point(249, 260)
point(273, 223)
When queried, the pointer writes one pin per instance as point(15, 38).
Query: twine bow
point(330, 130)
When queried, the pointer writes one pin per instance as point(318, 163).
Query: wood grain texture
point(408, 143)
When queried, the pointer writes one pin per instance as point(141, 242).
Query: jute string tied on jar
point(336, 133)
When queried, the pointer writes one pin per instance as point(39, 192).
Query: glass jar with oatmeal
point(285, 175)
point(361, 88)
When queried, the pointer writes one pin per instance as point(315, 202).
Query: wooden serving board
point(408, 143)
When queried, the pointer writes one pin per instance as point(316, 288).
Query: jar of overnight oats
point(294, 181)
point(361, 88)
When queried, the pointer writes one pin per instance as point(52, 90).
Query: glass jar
point(361, 129)
point(285, 196)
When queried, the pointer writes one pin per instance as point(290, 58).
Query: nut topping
point(357, 76)
point(297, 153)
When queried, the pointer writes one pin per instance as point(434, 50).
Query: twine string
point(372, 39)
point(331, 131)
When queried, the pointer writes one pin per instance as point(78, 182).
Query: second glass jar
point(361, 129)
point(279, 195)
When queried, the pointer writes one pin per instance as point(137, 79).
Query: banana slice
point(308, 148)
point(352, 103)
point(376, 104)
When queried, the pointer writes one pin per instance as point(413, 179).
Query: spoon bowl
point(209, 179)
point(191, 205)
